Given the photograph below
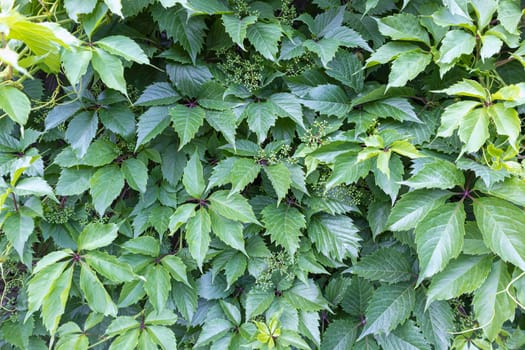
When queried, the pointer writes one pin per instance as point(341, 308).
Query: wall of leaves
point(238, 174)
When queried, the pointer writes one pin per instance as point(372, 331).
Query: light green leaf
point(225, 122)
point(93, 290)
point(258, 301)
point(408, 66)
point(491, 46)
point(186, 122)
point(436, 173)
point(474, 129)
point(76, 62)
point(106, 185)
point(512, 189)
point(109, 69)
point(439, 238)
point(453, 115)
point(283, 224)
point(157, 285)
point(232, 206)
point(403, 26)
point(145, 245)
point(15, 103)
point(287, 105)
point(437, 322)
point(243, 172)
point(115, 6)
point(492, 307)
point(54, 304)
point(396, 107)
point(236, 27)
point(509, 14)
point(463, 275)
point(384, 265)
point(74, 8)
point(390, 51)
point(228, 231)
point(507, 121)
point(198, 231)
point(122, 324)
point(306, 297)
point(34, 186)
point(466, 87)
point(152, 123)
point(334, 236)
point(99, 153)
point(326, 48)
point(484, 10)
point(50, 259)
point(181, 216)
point(280, 177)
point(136, 174)
point(128, 340)
point(163, 336)
point(193, 178)
point(501, 224)
point(413, 207)
point(109, 266)
point(454, 44)
point(124, 47)
point(265, 38)
point(174, 265)
point(347, 69)
point(389, 307)
point(96, 235)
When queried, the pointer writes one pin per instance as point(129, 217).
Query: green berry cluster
point(313, 136)
point(56, 214)
point(347, 194)
point(238, 70)
point(242, 9)
point(11, 282)
point(279, 264)
point(288, 12)
point(298, 65)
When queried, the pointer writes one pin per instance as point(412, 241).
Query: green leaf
point(193, 178)
point(512, 189)
point(397, 108)
point(243, 172)
point(128, 340)
point(484, 10)
point(328, 99)
point(96, 235)
point(340, 335)
point(15, 103)
point(76, 62)
point(280, 177)
point(41, 284)
point(236, 27)
point(109, 266)
point(466, 87)
point(144, 245)
point(390, 51)
point(93, 290)
point(152, 123)
point(109, 69)
point(124, 47)
point(474, 129)
point(198, 231)
point(500, 223)
point(261, 117)
point(74, 8)
point(115, 6)
point(357, 297)
point(347, 69)
point(265, 38)
point(136, 174)
point(210, 7)
point(99, 153)
point(325, 48)
point(174, 265)
point(403, 26)
point(232, 206)
point(186, 122)
point(18, 228)
point(119, 119)
point(54, 304)
point(406, 337)
point(228, 231)
point(158, 94)
point(453, 115)
point(507, 121)
point(436, 173)
point(389, 307)
point(81, 131)
point(163, 336)
point(439, 238)
point(105, 186)
point(463, 275)
point(283, 224)
point(334, 236)
point(157, 285)
point(213, 330)
point(412, 208)
point(287, 105)
point(509, 14)
point(408, 66)
point(437, 322)
point(258, 301)
point(306, 297)
point(492, 307)
point(454, 44)
point(384, 265)
point(122, 324)
point(181, 216)
point(224, 122)
point(491, 46)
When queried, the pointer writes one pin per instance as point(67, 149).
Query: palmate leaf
point(265, 38)
point(335, 236)
point(186, 122)
point(501, 224)
point(439, 238)
point(284, 224)
point(384, 265)
point(390, 306)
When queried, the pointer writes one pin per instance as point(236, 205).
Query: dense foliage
point(229, 174)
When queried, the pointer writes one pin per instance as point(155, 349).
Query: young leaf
point(81, 131)
point(474, 129)
point(408, 66)
point(228, 231)
point(54, 303)
point(18, 228)
point(109, 266)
